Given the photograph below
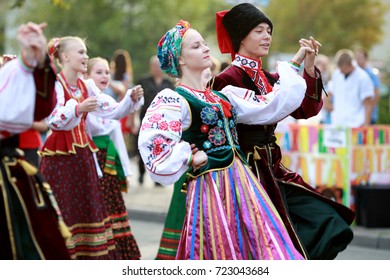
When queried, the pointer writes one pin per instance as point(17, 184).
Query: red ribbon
point(226, 106)
point(224, 42)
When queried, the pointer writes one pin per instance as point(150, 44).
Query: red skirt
point(76, 187)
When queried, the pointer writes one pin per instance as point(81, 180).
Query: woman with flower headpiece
point(191, 131)
point(69, 161)
point(319, 227)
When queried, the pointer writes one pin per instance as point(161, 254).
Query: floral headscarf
point(169, 48)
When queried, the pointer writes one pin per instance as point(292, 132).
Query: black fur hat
point(240, 20)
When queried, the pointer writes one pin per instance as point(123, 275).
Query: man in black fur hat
point(319, 227)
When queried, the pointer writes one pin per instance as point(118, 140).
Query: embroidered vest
point(211, 132)
point(62, 142)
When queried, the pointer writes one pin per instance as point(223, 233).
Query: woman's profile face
point(75, 56)
point(195, 54)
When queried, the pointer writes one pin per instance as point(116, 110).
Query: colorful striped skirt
point(230, 216)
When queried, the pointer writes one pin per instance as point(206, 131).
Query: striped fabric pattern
point(168, 244)
point(230, 216)
point(92, 240)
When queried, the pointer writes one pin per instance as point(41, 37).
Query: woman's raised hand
point(33, 42)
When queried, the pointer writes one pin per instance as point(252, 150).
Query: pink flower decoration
point(146, 126)
point(155, 118)
point(175, 126)
point(163, 126)
point(157, 150)
point(158, 141)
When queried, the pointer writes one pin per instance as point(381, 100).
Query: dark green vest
point(211, 132)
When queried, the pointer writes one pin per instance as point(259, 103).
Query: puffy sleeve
point(285, 98)
point(17, 97)
point(108, 107)
point(63, 116)
point(165, 156)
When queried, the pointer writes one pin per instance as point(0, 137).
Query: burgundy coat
point(45, 100)
point(264, 155)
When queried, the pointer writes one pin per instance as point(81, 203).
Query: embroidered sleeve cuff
point(189, 161)
point(295, 66)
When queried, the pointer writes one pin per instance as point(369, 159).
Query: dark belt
point(255, 135)
point(8, 147)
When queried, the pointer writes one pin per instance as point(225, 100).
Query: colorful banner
point(334, 159)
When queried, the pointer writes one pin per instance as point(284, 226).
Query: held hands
point(33, 43)
point(310, 56)
point(307, 53)
point(136, 93)
point(199, 158)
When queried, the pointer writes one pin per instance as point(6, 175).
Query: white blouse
point(166, 157)
point(17, 102)
point(17, 98)
point(102, 121)
point(64, 116)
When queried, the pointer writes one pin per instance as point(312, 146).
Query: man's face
point(346, 69)
point(258, 42)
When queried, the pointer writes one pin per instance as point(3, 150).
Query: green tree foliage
point(384, 110)
point(336, 24)
point(133, 25)
point(137, 25)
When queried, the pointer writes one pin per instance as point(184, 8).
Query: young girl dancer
point(68, 160)
point(114, 163)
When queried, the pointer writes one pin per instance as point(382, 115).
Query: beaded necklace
point(212, 98)
point(73, 90)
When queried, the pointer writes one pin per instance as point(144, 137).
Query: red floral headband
point(54, 48)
